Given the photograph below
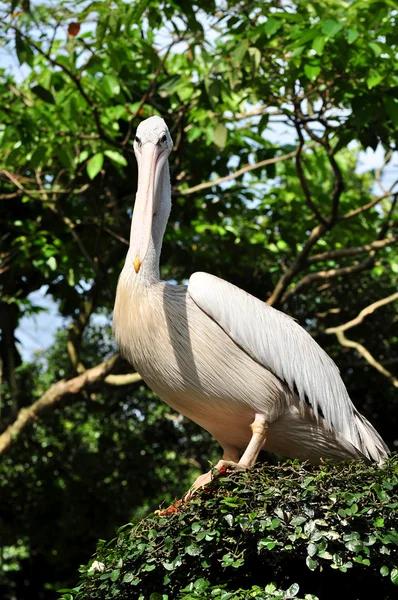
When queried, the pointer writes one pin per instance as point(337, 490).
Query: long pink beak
point(150, 160)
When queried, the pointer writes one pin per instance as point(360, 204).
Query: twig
point(369, 205)
point(366, 355)
point(126, 379)
point(339, 332)
point(298, 264)
point(245, 169)
point(328, 275)
point(342, 252)
point(303, 179)
point(368, 310)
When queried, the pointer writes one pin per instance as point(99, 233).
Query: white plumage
point(247, 373)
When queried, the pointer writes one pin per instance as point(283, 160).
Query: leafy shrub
point(288, 531)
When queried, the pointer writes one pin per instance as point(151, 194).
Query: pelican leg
point(259, 429)
point(230, 459)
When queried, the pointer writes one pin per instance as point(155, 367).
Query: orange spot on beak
point(137, 264)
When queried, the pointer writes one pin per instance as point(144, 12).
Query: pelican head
point(152, 146)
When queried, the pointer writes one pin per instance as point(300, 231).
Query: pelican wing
point(282, 346)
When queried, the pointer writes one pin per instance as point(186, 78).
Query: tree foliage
point(271, 106)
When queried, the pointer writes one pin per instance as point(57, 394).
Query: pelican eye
point(163, 139)
point(137, 140)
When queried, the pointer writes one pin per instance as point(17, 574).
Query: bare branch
point(330, 274)
point(298, 264)
point(369, 205)
point(126, 379)
point(303, 179)
point(342, 252)
point(368, 310)
point(366, 355)
point(238, 173)
point(53, 396)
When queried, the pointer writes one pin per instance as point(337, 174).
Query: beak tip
point(137, 264)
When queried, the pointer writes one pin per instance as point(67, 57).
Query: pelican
point(247, 373)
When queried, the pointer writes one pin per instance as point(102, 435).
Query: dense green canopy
point(271, 106)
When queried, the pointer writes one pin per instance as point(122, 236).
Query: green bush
point(288, 531)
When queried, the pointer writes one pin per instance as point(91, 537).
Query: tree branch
point(369, 205)
point(126, 379)
point(366, 355)
point(298, 264)
point(339, 332)
point(368, 310)
point(342, 252)
point(52, 397)
point(245, 169)
point(303, 179)
point(327, 275)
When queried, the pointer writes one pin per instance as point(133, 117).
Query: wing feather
point(282, 346)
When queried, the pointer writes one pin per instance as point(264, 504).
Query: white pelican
point(245, 372)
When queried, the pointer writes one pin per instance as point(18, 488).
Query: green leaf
point(220, 135)
point(52, 263)
point(116, 157)
point(67, 157)
point(384, 571)
point(169, 86)
point(376, 48)
point(331, 27)
point(43, 94)
point(312, 71)
point(391, 105)
point(115, 574)
point(94, 165)
point(271, 26)
point(352, 35)
point(71, 277)
point(24, 52)
point(111, 85)
point(319, 43)
point(38, 157)
point(311, 563)
point(240, 51)
point(374, 79)
point(394, 575)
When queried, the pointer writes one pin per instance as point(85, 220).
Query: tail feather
point(371, 443)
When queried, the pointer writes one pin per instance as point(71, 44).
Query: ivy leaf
point(94, 165)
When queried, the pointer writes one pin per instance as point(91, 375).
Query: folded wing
point(277, 342)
